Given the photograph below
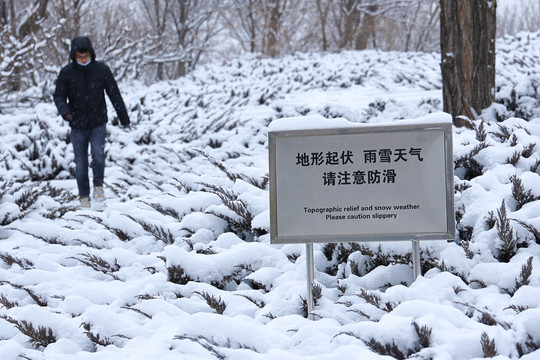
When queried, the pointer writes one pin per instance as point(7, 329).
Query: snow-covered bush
point(177, 262)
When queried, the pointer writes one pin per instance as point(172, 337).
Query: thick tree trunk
point(468, 31)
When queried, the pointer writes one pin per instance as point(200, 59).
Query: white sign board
point(362, 183)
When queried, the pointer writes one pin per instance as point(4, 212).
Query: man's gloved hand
point(67, 117)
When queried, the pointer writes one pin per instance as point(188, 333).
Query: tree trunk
point(349, 22)
point(322, 10)
point(367, 28)
point(270, 38)
point(252, 30)
point(468, 31)
point(3, 13)
point(30, 25)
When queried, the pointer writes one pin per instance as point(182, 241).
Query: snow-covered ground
point(177, 264)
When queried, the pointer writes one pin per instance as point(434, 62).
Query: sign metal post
point(417, 262)
point(310, 280)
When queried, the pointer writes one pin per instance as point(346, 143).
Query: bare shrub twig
point(215, 303)
point(99, 264)
point(39, 337)
point(488, 346)
point(159, 232)
point(508, 244)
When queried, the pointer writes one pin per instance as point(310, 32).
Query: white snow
point(177, 263)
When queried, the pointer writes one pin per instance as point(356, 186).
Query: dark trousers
point(81, 138)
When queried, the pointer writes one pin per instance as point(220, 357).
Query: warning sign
point(362, 183)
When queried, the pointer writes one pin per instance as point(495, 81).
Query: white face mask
point(89, 61)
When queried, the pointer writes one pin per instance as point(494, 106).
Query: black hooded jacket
point(80, 90)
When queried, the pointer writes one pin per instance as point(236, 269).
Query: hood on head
point(81, 43)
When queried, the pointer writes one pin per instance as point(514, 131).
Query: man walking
point(80, 99)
